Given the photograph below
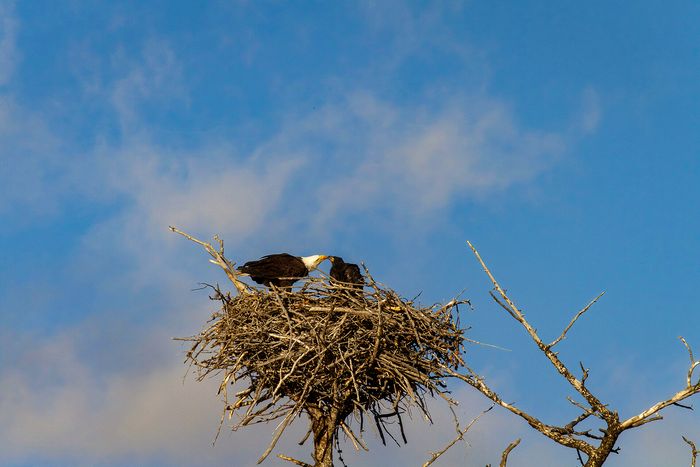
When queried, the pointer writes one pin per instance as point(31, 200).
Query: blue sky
point(560, 138)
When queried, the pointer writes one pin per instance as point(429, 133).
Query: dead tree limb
point(293, 461)
point(460, 435)
point(694, 451)
point(597, 446)
point(506, 452)
point(219, 259)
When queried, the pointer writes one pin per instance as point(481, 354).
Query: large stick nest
point(330, 348)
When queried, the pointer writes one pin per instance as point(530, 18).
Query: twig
point(585, 309)
point(280, 429)
point(460, 436)
point(693, 363)
point(694, 451)
point(356, 442)
point(293, 461)
point(493, 346)
point(515, 312)
point(219, 259)
point(649, 415)
point(504, 456)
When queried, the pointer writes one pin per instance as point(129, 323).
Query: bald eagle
point(347, 273)
point(281, 269)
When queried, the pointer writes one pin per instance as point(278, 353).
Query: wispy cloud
point(157, 74)
point(59, 404)
point(411, 161)
point(404, 32)
point(8, 38)
point(210, 189)
point(57, 407)
point(356, 154)
point(64, 411)
point(32, 177)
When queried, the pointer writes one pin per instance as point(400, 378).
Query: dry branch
point(693, 450)
point(460, 435)
point(596, 446)
point(506, 452)
point(293, 461)
point(219, 259)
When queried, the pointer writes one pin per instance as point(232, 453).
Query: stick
point(504, 456)
point(219, 259)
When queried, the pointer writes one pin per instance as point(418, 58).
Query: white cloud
point(359, 154)
point(56, 407)
point(404, 31)
point(208, 192)
point(212, 189)
point(60, 401)
point(157, 74)
point(413, 160)
point(8, 38)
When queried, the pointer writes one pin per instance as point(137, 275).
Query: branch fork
point(596, 448)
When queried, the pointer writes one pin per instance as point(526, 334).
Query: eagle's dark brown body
point(347, 273)
point(280, 270)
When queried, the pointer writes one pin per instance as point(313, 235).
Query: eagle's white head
point(312, 262)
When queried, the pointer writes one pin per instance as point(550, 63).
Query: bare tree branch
point(694, 451)
point(515, 312)
point(578, 315)
point(460, 435)
point(649, 415)
point(278, 433)
point(693, 363)
point(602, 445)
point(293, 461)
point(555, 433)
point(219, 259)
point(504, 456)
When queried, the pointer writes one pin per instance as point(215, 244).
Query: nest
point(343, 356)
